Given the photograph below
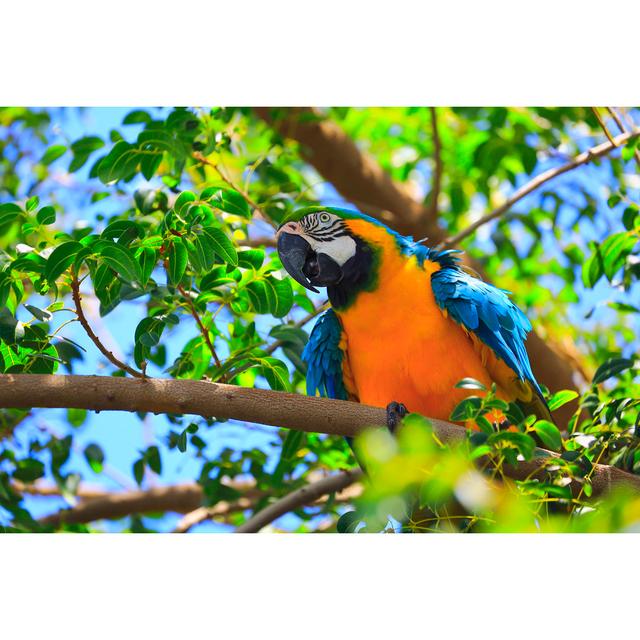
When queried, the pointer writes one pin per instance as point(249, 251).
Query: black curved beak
point(305, 265)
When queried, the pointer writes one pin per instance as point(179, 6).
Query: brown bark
point(361, 180)
point(98, 504)
point(355, 175)
point(298, 498)
point(320, 415)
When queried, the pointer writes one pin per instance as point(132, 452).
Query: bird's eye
point(325, 217)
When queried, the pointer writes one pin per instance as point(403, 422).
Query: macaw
point(406, 323)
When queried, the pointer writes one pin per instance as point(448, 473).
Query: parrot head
point(328, 247)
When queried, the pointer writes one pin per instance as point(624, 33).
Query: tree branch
point(179, 498)
point(354, 174)
point(75, 294)
point(98, 504)
point(259, 242)
point(276, 408)
point(203, 330)
point(585, 157)
point(436, 180)
point(622, 128)
point(298, 498)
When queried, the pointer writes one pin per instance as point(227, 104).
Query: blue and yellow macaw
point(406, 323)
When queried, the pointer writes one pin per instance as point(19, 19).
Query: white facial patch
point(339, 249)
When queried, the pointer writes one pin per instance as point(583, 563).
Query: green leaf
point(628, 150)
point(53, 153)
point(122, 261)
point(94, 456)
point(40, 314)
point(32, 204)
point(348, 522)
point(216, 278)
point(82, 149)
point(148, 258)
point(61, 259)
point(251, 259)
point(276, 373)
point(282, 296)
point(467, 409)
point(46, 215)
point(184, 199)
point(614, 250)
point(523, 443)
point(549, 434)
point(76, 417)
point(9, 212)
point(221, 245)
point(149, 165)
point(610, 368)
point(136, 117)
point(629, 216)
point(561, 398)
point(138, 471)
point(119, 163)
point(592, 269)
point(202, 253)
point(28, 470)
point(259, 296)
point(178, 258)
point(289, 334)
point(227, 200)
point(152, 458)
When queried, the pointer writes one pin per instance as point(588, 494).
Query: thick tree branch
point(98, 504)
point(585, 157)
point(299, 498)
point(276, 408)
point(180, 498)
point(354, 174)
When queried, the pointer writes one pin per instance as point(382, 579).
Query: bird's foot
point(396, 411)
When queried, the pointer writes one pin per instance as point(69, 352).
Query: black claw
point(395, 412)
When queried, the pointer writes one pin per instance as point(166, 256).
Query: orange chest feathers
point(400, 345)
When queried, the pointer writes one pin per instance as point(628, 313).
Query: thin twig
point(75, 294)
point(603, 126)
point(222, 510)
point(203, 330)
point(618, 121)
point(436, 181)
point(613, 113)
point(585, 157)
point(197, 155)
point(299, 498)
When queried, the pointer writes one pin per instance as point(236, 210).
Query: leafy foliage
point(161, 222)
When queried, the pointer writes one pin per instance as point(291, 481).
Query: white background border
point(343, 53)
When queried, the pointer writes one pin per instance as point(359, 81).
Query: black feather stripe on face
point(323, 232)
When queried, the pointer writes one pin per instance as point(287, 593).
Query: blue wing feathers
point(489, 313)
point(323, 356)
